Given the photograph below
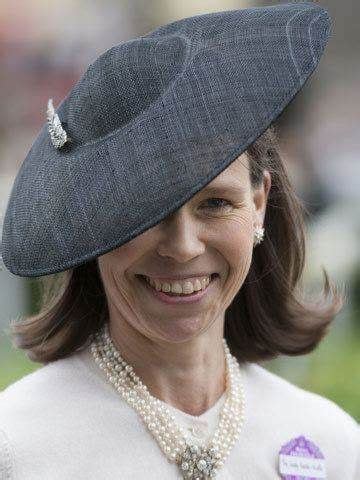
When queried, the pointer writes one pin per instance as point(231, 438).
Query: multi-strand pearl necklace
point(195, 462)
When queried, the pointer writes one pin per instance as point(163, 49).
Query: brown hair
point(268, 316)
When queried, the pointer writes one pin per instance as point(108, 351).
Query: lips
point(180, 300)
point(212, 276)
point(144, 280)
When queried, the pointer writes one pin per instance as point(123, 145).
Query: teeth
point(186, 287)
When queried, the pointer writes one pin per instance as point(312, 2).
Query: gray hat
point(149, 124)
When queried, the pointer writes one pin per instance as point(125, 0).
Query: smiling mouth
point(172, 294)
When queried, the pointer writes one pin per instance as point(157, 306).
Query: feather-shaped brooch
point(57, 133)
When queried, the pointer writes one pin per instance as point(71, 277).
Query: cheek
point(112, 267)
point(236, 247)
point(237, 238)
point(132, 250)
point(122, 258)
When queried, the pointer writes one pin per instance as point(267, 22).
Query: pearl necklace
point(195, 462)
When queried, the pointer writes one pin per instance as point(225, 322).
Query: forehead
point(236, 175)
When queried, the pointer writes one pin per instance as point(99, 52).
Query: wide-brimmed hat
point(149, 124)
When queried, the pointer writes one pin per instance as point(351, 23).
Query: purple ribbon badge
point(301, 459)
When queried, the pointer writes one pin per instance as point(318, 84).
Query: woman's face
point(213, 233)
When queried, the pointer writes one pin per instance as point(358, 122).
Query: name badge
point(302, 458)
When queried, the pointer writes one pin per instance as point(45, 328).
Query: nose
point(180, 237)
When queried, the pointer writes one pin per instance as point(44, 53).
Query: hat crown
point(114, 90)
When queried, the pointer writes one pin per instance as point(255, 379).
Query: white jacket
point(66, 422)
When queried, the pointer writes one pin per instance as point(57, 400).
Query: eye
point(224, 203)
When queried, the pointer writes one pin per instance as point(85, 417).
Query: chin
point(180, 330)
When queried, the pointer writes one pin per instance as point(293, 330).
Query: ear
point(260, 196)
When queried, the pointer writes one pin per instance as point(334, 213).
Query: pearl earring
point(258, 234)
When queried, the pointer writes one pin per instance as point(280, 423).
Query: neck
point(189, 376)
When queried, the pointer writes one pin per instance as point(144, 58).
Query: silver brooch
point(57, 133)
point(199, 462)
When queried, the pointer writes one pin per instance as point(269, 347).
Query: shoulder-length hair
point(269, 315)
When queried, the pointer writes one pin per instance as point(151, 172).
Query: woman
point(147, 193)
